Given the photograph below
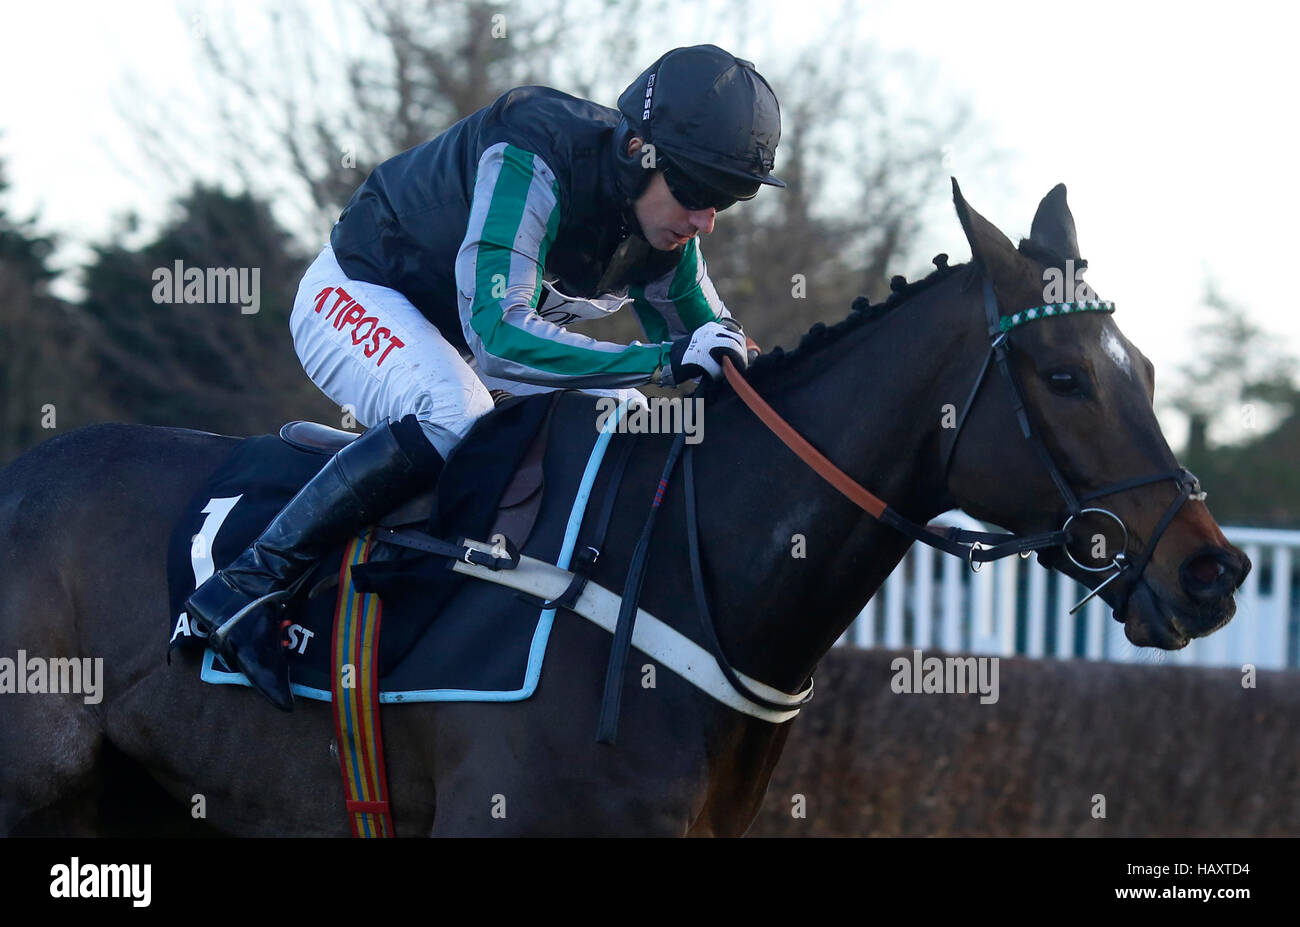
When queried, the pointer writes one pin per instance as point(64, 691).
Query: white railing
point(1014, 606)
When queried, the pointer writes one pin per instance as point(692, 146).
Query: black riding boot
point(239, 608)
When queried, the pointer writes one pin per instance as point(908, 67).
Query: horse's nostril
point(1211, 574)
point(1205, 570)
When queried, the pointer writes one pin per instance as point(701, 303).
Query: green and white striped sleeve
point(680, 301)
point(514, 218)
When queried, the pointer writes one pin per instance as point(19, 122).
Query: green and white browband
point(1051, 310)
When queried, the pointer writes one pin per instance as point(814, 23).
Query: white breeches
point(371, 351)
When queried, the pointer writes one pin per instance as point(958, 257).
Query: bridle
point(975, 546)
point(978, 547)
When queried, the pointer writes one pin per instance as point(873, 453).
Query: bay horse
point(85, 519)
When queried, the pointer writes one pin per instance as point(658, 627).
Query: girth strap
point(612, 699)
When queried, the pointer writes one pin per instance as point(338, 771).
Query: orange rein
point(797, 443)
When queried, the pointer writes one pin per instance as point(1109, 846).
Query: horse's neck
point(792, 561)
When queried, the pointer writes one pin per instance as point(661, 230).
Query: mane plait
point(861, 313)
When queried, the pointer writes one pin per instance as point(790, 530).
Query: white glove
point(701, 352)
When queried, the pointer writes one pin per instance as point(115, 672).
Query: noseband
point(979, 547)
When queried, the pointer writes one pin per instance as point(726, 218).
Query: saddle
point(517, 508)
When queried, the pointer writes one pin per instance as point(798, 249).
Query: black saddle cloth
point(264, 473)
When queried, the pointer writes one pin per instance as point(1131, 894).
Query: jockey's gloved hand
point(701, 352)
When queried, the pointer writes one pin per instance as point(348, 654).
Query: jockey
point(455, 266)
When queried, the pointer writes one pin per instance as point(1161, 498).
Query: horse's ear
point(988, 246)
point(1053, 227)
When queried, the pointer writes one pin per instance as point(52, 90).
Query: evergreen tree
point(1243, 408)
point(46, 353)
point(195, 357)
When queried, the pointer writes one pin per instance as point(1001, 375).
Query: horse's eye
point(1064, 383)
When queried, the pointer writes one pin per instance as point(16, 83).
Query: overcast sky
point(1173, 126)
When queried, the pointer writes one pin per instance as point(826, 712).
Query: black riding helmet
point(713, 119)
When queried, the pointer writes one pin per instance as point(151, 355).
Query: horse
point(787, 560)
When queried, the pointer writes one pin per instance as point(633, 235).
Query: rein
point(976, 546)
point(979, 546)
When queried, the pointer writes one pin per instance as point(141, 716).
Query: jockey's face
point(666, 223)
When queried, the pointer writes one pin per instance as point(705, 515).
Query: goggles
point(692, 194)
